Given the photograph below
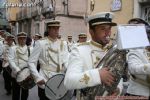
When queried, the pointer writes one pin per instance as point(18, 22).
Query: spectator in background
point(36, 37)
point(70, 43)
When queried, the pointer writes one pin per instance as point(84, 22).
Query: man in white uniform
point(1, 47)
point(6, 68)
point(18, 58)
point(139, 67)
point(52, 54)
point(36, 38)
point(70, 43)
point(82, 37)
point(81, 72)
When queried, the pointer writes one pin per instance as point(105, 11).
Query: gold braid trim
point(56, 51)
point(58, 67)
point(18, 55)
point(61, 45)
point(52, 50)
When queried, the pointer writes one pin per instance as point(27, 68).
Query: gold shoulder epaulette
point(83, 43)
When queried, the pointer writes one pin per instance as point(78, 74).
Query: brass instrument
point(115, 60)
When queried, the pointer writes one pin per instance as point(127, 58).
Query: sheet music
point(132, 36)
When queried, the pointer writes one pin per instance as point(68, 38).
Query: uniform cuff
point(37, 79)
point(96, 76)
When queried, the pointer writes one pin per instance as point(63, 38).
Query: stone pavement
point(33, 94)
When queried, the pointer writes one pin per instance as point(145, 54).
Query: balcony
point(19, 15)
point(24, 13)
point(34, 13)
point(29, 13)
point(47, 12)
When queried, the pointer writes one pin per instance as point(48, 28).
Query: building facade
point(33, 17)
point(4, 25)
point(142, 9)
point(123, 10)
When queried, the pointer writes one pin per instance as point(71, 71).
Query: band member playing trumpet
point(83, 58)
point(52, 54)
point(18, 57)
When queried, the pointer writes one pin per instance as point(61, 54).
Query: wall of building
point(12, 11)
point(3, 18)
point(142, 9)
point(70, 12)
point(71, 26)
point(122, 16)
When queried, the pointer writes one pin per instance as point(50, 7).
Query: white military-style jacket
point(81, 71)
point(52, 56)
point(139, 66)
point(5, 55)
point(18, 58)
point(70, 45)
point(1, 47)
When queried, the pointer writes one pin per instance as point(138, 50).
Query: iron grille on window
point(146, 13)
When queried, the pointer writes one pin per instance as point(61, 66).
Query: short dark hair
point(28, 41)
point(140, 21)
point(45, 33)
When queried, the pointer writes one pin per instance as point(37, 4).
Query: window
point(146, 13)
point(37, 27)
point(116, 5)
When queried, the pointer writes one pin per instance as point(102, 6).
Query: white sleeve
point(1, 49)
point(65, 55)
point(76, 77)
point(120, 86)
point(12, 59)
point(136, 63)
point(33, 60)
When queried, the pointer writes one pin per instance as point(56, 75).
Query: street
point(33, 94)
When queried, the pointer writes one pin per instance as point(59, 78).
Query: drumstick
point(60, 83)
point(51, 90)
